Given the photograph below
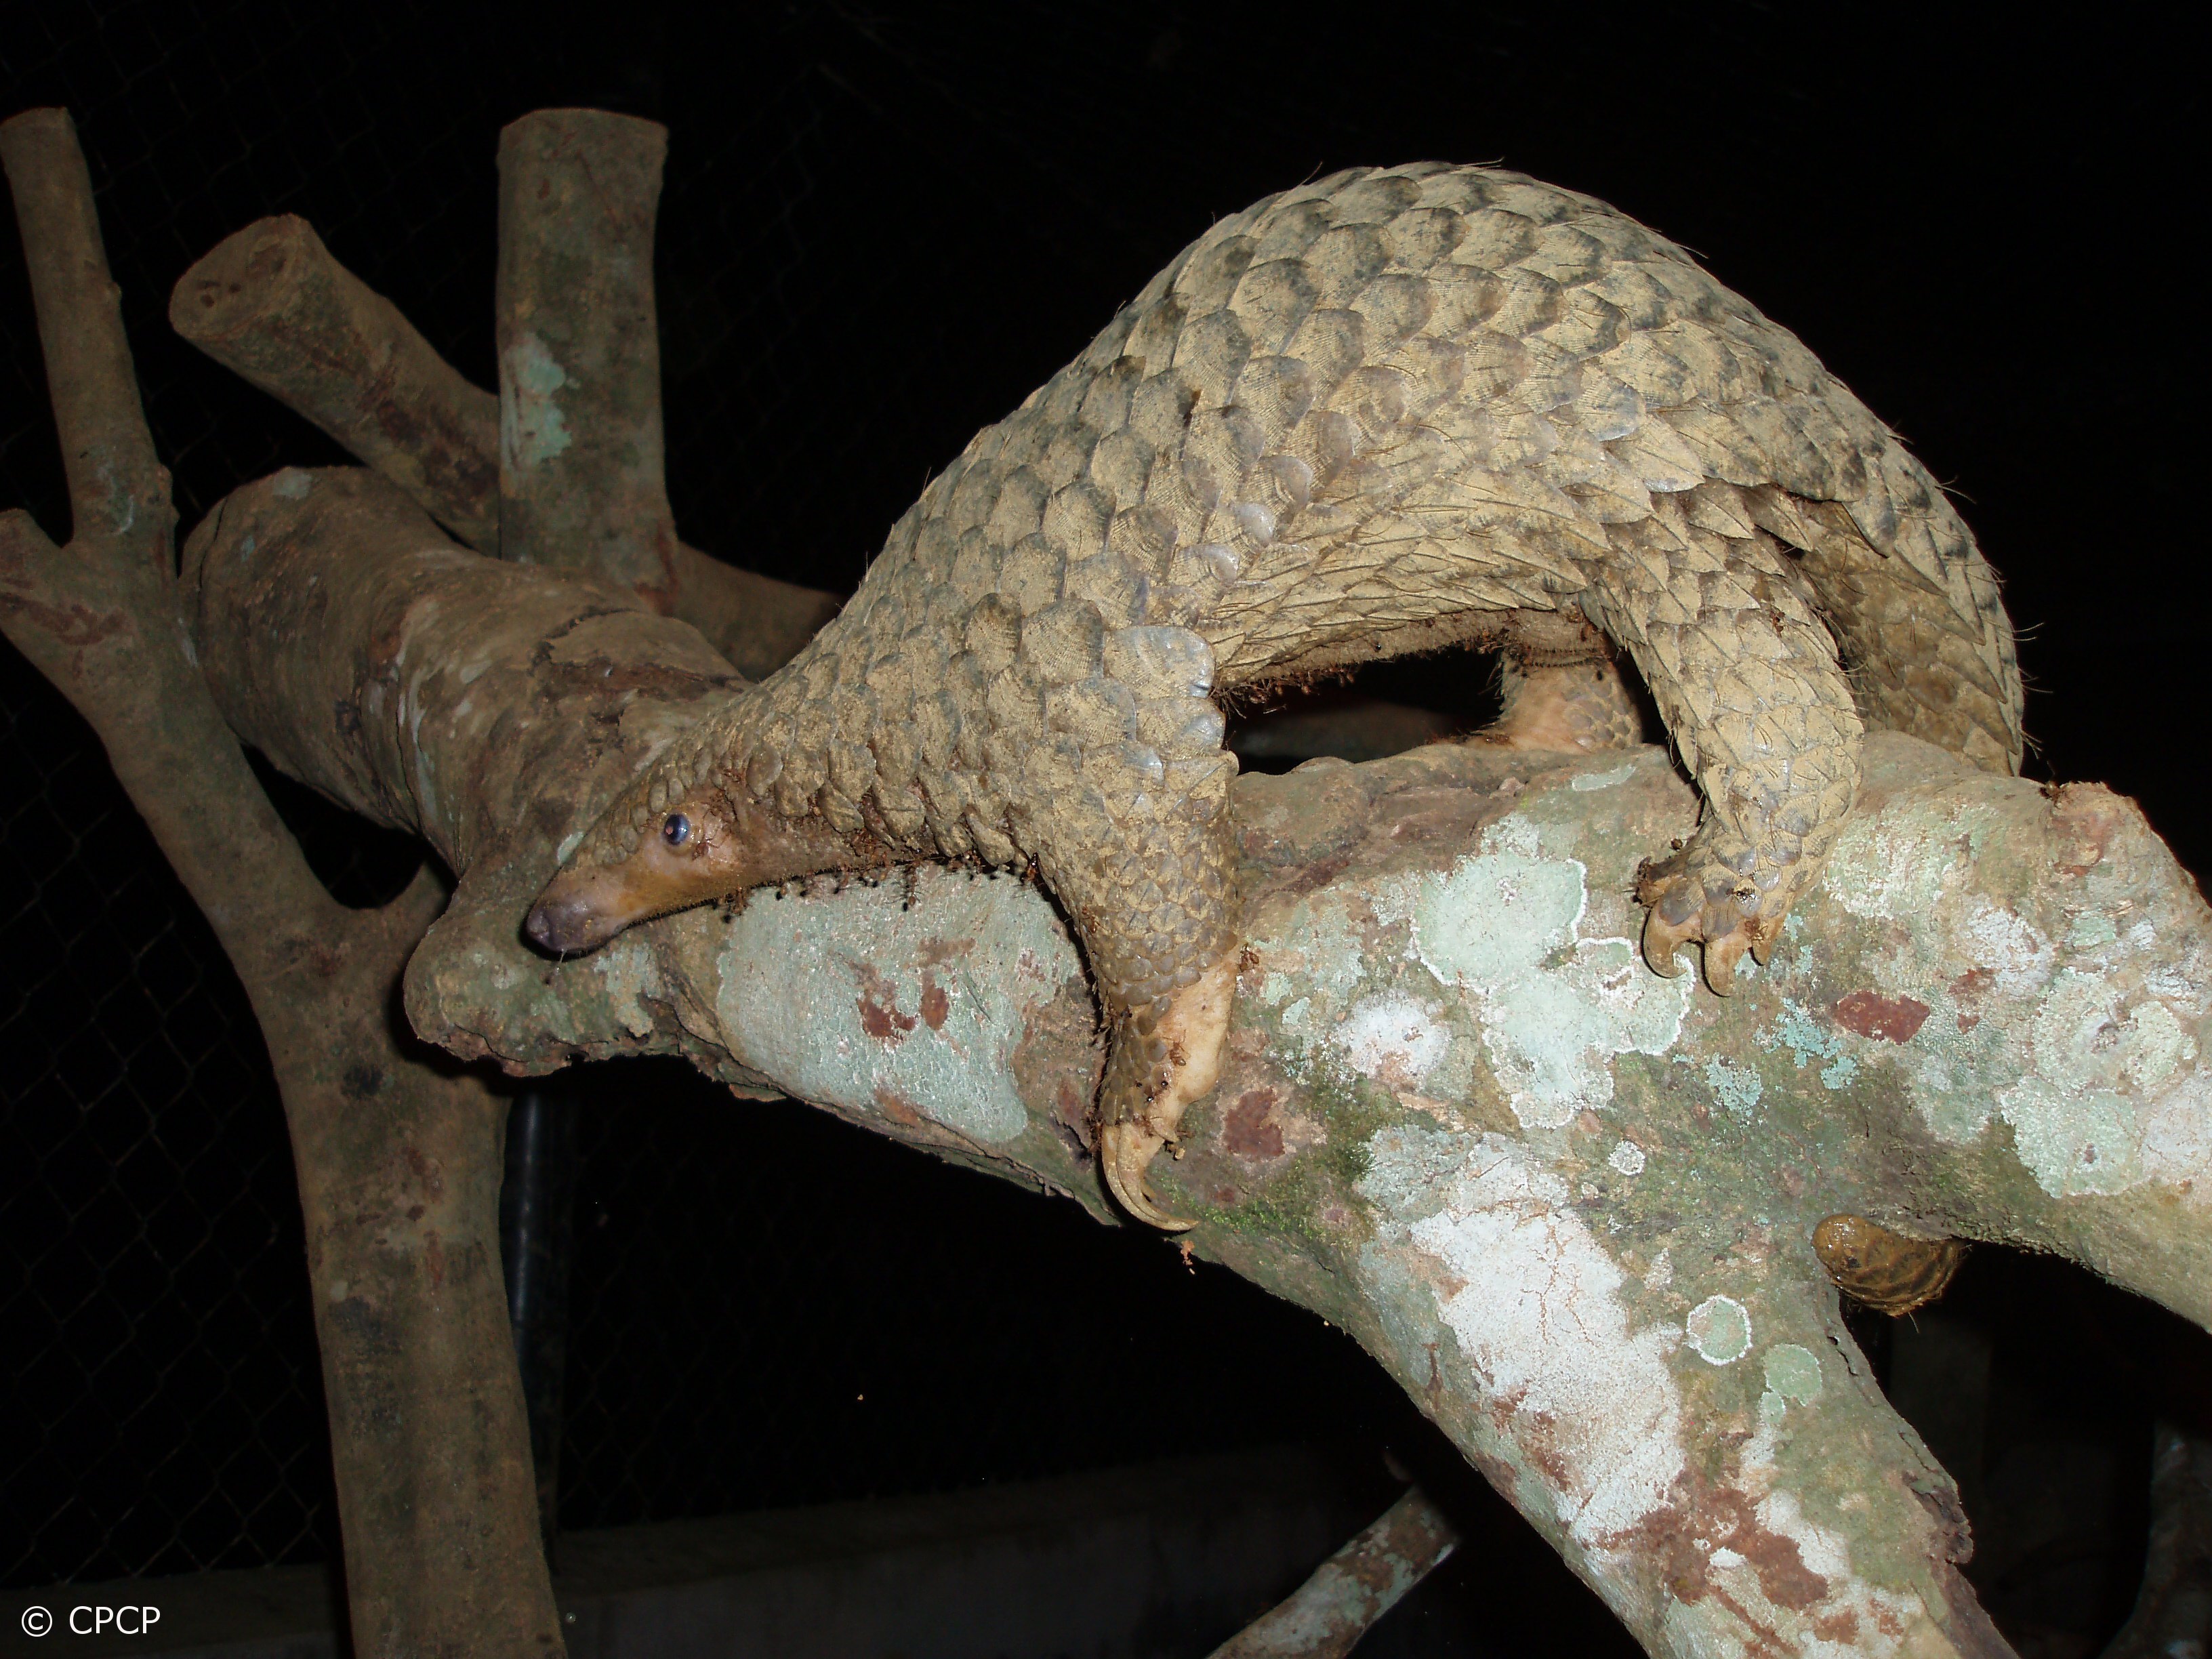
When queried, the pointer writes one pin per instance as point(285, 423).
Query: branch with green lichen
point(1568, 1205)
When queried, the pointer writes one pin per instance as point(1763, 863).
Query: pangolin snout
point(567, 924)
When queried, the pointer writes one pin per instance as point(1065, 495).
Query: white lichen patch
point(1554, 1009)
point(1498, 910)
point(1627, 1158)
point(627, 968)
point(853, 1000)
point(1970, 1044)
point(533, 430)
point(1317, 948)
point(1534, 1304)
point(1719, 1329)
point(1585, 782)
point(1897, 865)
point(1793, 1373)
point(1392, 1039)
point(2080, 1116)
point(2076, 1024)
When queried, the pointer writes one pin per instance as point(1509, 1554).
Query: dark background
point(882, 228)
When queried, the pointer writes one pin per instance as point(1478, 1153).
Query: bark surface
point(1570, 1205)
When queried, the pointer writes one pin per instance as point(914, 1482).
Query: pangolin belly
point(1386, 411)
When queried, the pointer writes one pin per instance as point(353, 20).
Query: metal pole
point(536, 1231)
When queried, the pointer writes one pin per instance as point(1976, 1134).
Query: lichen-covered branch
point(271, 303)
point(1570, 1205)
point(1325, 1617)
point(431, 1461)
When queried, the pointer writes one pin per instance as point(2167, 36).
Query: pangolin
point(1387, 411)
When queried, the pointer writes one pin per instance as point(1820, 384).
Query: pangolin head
point(688, 851)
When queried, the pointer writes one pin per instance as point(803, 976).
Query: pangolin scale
point(1387, 411)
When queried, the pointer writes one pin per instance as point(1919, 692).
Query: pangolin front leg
point(1151, 893)
point(1748, 683)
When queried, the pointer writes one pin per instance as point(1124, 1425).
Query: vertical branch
point(426, 1418)
point(580, 450)
point(581, 485)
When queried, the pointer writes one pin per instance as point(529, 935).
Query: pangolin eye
point(676, 830)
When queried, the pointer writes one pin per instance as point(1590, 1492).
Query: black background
point(882, 228)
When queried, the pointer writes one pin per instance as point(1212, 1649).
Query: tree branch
point(1569, 1206)
point(271, 303)
point(402, 1242)
point(580, 450)
point(1325, 1617)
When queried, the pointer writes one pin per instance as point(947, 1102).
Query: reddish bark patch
point(2085, 815)
point(433, 1259)
point(72, 624)
point(1969, 986)
point(1839, 1627)
point(935, 1004)
point(1250, 1131)
point(426, 1170)
point(1072, 1113)
point(1893, 1019)
point(879, 1006)
point(1973, 983)
point(897, 1108)
point(1702, 1517)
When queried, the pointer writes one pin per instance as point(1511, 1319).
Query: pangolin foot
point(1694, 896)
point(1164, 1057)
point(1578, 708)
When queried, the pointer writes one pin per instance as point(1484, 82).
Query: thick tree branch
point(271, 303)
point(431, 1463)
point(1569, 1206)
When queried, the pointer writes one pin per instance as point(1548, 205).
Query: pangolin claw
point(1143, 1105)
point(1662, 944)
point(1714, 916)
point(1125, 1150)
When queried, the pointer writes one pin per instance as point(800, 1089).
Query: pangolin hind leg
point(1561, 691)
point(1152, 900)
point(1761, 712)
